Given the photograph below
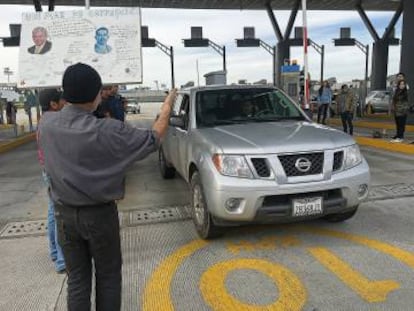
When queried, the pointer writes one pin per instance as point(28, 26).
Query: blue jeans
point(55, 251)
point(323, 112)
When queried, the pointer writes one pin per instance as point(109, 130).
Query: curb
point(385, 145)
point(365, 141)
point(17, 142)
point(373, 125)
point(6, 126)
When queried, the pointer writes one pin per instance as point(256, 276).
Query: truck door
point(182, 135)
point(169, 144)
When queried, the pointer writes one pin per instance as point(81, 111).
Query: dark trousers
point(322, 112)
point(400, 122)
point(91, 233)
point(346, 118)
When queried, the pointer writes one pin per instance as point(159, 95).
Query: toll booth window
point(292, 89)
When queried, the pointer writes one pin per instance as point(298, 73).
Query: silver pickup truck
point(251, 155)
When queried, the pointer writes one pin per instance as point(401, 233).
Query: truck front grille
point(261, 167)
point(338, 159)
point(292, 164)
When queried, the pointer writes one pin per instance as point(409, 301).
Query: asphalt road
point(366, 263)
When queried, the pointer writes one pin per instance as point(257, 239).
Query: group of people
point(346, 103)
point(85, 157)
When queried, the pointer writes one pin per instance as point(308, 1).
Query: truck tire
point(202, 218)
point(167, 171)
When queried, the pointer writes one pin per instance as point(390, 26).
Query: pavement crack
point(60, 293)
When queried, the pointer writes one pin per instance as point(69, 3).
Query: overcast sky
point(170, 26)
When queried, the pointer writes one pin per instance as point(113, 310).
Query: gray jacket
point(87, 158)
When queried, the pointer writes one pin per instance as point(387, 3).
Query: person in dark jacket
point(346, 106)
point(401, 107)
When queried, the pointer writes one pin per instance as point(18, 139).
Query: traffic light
point(11, 41)
point(14, 39)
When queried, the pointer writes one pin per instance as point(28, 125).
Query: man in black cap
point(87, 159)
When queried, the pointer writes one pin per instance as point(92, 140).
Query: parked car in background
point(133, 107)
point(251, 155)
point(378, 101)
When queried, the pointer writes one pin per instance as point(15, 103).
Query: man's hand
point(161, 124)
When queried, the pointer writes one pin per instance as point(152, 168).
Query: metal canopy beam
point(274, 22)
point(51, 5)
point(381, 45)
point(37, 5)
point(283, 45)
point(292, 19)
point(367, 22)
point(393, 21)
point(370, 5)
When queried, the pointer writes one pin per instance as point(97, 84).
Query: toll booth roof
point(371, 5)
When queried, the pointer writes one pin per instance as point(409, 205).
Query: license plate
point(307, 206)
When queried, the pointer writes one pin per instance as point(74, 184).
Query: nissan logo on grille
point(303, 165)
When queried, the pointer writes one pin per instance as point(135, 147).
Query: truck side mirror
point(177, 121)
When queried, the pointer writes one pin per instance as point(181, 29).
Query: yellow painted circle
point(292, 293)
point(158, 297)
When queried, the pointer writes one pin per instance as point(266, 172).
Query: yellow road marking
point(7, 146)
point(266, 243)
point(157, 294)
point(371, 291)
point(390, 125)
point(292, 293)
point(399, 254)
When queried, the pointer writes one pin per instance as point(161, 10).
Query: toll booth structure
point(290, 81)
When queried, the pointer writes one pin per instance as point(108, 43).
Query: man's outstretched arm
point(160, 126)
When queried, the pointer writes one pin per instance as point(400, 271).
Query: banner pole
point(305, 56)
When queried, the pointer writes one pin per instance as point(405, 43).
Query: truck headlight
point(232, 165)
point(353, 157)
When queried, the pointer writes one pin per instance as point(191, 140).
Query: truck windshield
point(230, 106)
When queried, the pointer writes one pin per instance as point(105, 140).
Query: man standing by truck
point(87, 159)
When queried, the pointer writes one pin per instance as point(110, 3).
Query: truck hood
point(275, 137)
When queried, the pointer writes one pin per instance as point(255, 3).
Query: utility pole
point(8, 73)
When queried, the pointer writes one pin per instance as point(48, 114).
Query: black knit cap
point(81, 84)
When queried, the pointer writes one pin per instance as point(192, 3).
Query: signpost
point(306, 96)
